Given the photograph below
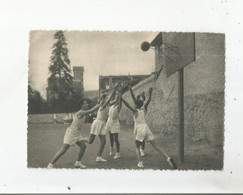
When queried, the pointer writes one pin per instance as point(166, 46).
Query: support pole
point(181, 114)
point(99, 86)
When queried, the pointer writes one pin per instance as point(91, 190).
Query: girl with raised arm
point(98, 125)
point(73, 135)
point(113, 125)
point(141, 97)
point(142, 131)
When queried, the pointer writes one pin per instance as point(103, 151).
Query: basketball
point(145, 46)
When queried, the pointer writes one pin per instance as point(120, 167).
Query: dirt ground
point(45, 139)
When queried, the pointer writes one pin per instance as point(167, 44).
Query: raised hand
point(116, 85)
point(150, 90)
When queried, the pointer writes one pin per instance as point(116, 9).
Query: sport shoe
point(78, 164)
point(50, 166)
point(140, 164)
point(172, 162)
point(142, 152)
point(117, 156)
point(112, 151)
point(100, 159)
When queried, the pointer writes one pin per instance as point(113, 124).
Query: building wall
point(203, 94)
point(91, 94)
point(78, 75)
point(107, 82)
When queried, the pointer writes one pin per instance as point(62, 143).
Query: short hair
point(141, 96)
point(104, 95)
point(139, 103)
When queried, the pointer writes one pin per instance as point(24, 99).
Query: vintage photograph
point(126, 100)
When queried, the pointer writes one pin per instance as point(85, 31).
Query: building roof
point(78, 68)
point(119, 76)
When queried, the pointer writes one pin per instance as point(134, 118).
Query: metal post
point(99, 86)
point(181, 114)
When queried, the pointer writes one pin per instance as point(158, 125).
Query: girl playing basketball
point(142, 131)
point(73, 135)
point(113, 125)
point(98, 125)
point(141, 97)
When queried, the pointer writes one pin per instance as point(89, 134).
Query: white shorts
point(72, 136)
point(142, 132)
point(113, 126)
point(98, 127)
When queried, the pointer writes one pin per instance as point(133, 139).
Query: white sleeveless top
point(102, 114)
point(140, 118)
point(77, 123)
point(113, 112)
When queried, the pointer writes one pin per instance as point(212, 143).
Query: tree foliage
point(60, 82)
point(36, 104)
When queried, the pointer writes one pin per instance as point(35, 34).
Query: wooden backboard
point(179, 50)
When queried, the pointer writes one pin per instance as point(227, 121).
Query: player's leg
point(140, 136)
point(117, 142)
point(90, 140)
point(82, 147)
point(101, 149)
point(93, 132)
point(156, 147)
point(140, 162)
point(142, 147)
point(58, 155)
point(111, 143)
point(117, 146)
point(161, 151)
point(111, 139)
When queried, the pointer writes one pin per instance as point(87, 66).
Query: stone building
point(91, 94)
point(107, 82)
point(78, 79)
point(204, 83)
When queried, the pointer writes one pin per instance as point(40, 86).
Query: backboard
point(179, 50)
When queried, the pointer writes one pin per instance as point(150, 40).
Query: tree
point(60, 82)
point(36, 104)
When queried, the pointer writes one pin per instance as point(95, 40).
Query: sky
point(99, 52)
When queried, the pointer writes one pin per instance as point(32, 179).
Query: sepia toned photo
point(126, 100)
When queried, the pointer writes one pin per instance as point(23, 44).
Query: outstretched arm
point(127, 105)
point(113, 102)
point(149, 99)
point(109, 97)
point(81, 113)
point(132, 94)
point(119, 103)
